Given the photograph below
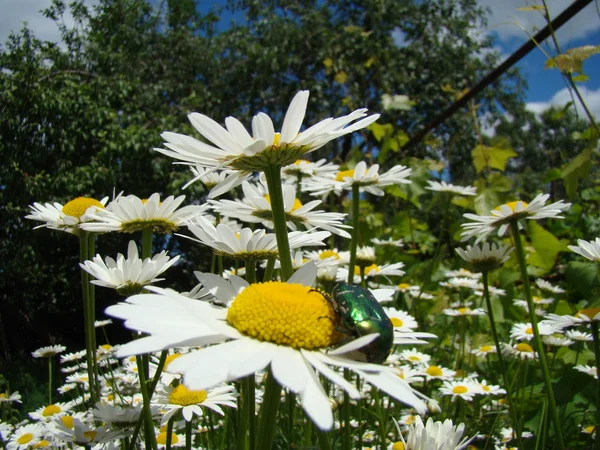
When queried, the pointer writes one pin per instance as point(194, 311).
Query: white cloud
point(562, 97)
point(504, 14)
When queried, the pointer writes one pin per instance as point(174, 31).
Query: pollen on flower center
point(276, 139)
point(285, 314)
point(68, 421)
point(398, 446)
point(329, 254)
point(185, 397)
point(460, 390)
point(301, 161)
point(25, 438)
point(486, 348)
point(464, 310)
point(396, 322)
point(162, 438)
point(529, 330)
point(512, 205)
point(90, 435)
point(50, 410)
point(434, 371)
point(523, 347)
point(77, 207)
point(343, 174)
point(371, 268)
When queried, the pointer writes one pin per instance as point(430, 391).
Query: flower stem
point(268, 276)
point(354, 239)
point(514, 228)
point(597, 355)
point(85, 290)
point(511, 406)
point(324, 443)
point(92, 317)
point(170, 431)
point(150, 437)
point(188, 435)
point(268, 414)
point(50, 380)
point(250, 271)
point(273, 175)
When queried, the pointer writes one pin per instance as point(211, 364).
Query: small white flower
point(460, 283)
point(10, 398)
point(487, 257)
point(524, 331)
point(578, 336)
point(464, 389)
point(521, 350)
point(464, 311)
point(547, 286)
point(462, 273)
point(488, 389)
point(308, 169)
point(50, 412)
point(68, 217)
point(589, 370)
point(415, 357)
point(447, 187)
point(128, 275)
point(588, 249)
point(484, 350)
point(435, 435)
point(25, 437)
point(128, 214)
point(557, 340)
point(503, 215)
point(389, 242)
point(49, 351)
point(439, 373)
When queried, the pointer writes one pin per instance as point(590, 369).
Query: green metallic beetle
point(359, 313)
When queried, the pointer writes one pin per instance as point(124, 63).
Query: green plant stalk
point(50, 380)
point(267, 424)
point(251, 395)
point(243, 441)
point(345, 413)
point(250, 271)
point(273, 175)
point(188, 435)
point(92, 317)
point(85, 290)
point(354, 239)
point(149, 435)
point(511, 406)
point(170, 431)
point(597, 355)
point(324, 443)
point(514, 228)
point(268, 275)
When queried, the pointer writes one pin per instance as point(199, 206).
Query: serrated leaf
point(491, 157)
point(546, 246)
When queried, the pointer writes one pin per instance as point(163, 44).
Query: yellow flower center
point(329, 254)
point(414, 358)
point(434, 371)
point(3, 396)
point(512, 205)
point(297, 203)
point(529, 330)
point(25, 438)
point(536, 299)
point(78, 206)
point(285, 314)
point(464, 310)
point(162, 438)
point(276, 139)
point(171, 358)
point(90, 435)
point(106, 347)
point(398, 446)
point(42, 444)
point(486, 348)
point(589, 429)
point(68, 421)
point(302, 161)
point(588, 312)
point(185, 397)
point(396, 322)
point(371, 268)
point(343, 174)
point(50, 410)
point(410, 420)
point(460, 390)
point(485, 387)
point(524, 348)
point(403, 286)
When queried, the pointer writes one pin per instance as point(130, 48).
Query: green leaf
point(486, 200)
point(578, 168)
point(491, 157)
point(381, 130)
point(546, 246)
point(583, 277)
point(582, 77)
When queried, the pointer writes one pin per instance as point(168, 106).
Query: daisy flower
point(415, 357)
point(547, 286)
point(367, 180)
point(452, 189)
point(588, 249)
point(256, 208)
point(68, 217)
point(484, 350)
point(524, 331)
point(176, 439)
point(589, 370)
point(49, 351)
point(372, 270)
point(508, 434)
point(503, 215)
point(129, 214)
point(462, 273)
point(305, 169)
point(488, 389)
point(10, 398)
point(235, 148)
point(128, 275)
point(190, 402)
point(81, 433)
point(485, 258)
point(120, 415)
point(410, 374)
point(47, 413)
point(25, 437)
point(435, 435)
point(401, 320)
point(464, 389)
point(465, 311)
point(460, 283)
point(557, 340)
point(389, 242)
point(217, 181)
point(439, 373)
point(275, 324)
point(102, 323)
point(521, 350)
point(578, 336)
point(70, 357)
point(6, 430)
point(248, 244)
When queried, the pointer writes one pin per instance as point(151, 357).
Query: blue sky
point(546, 87)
